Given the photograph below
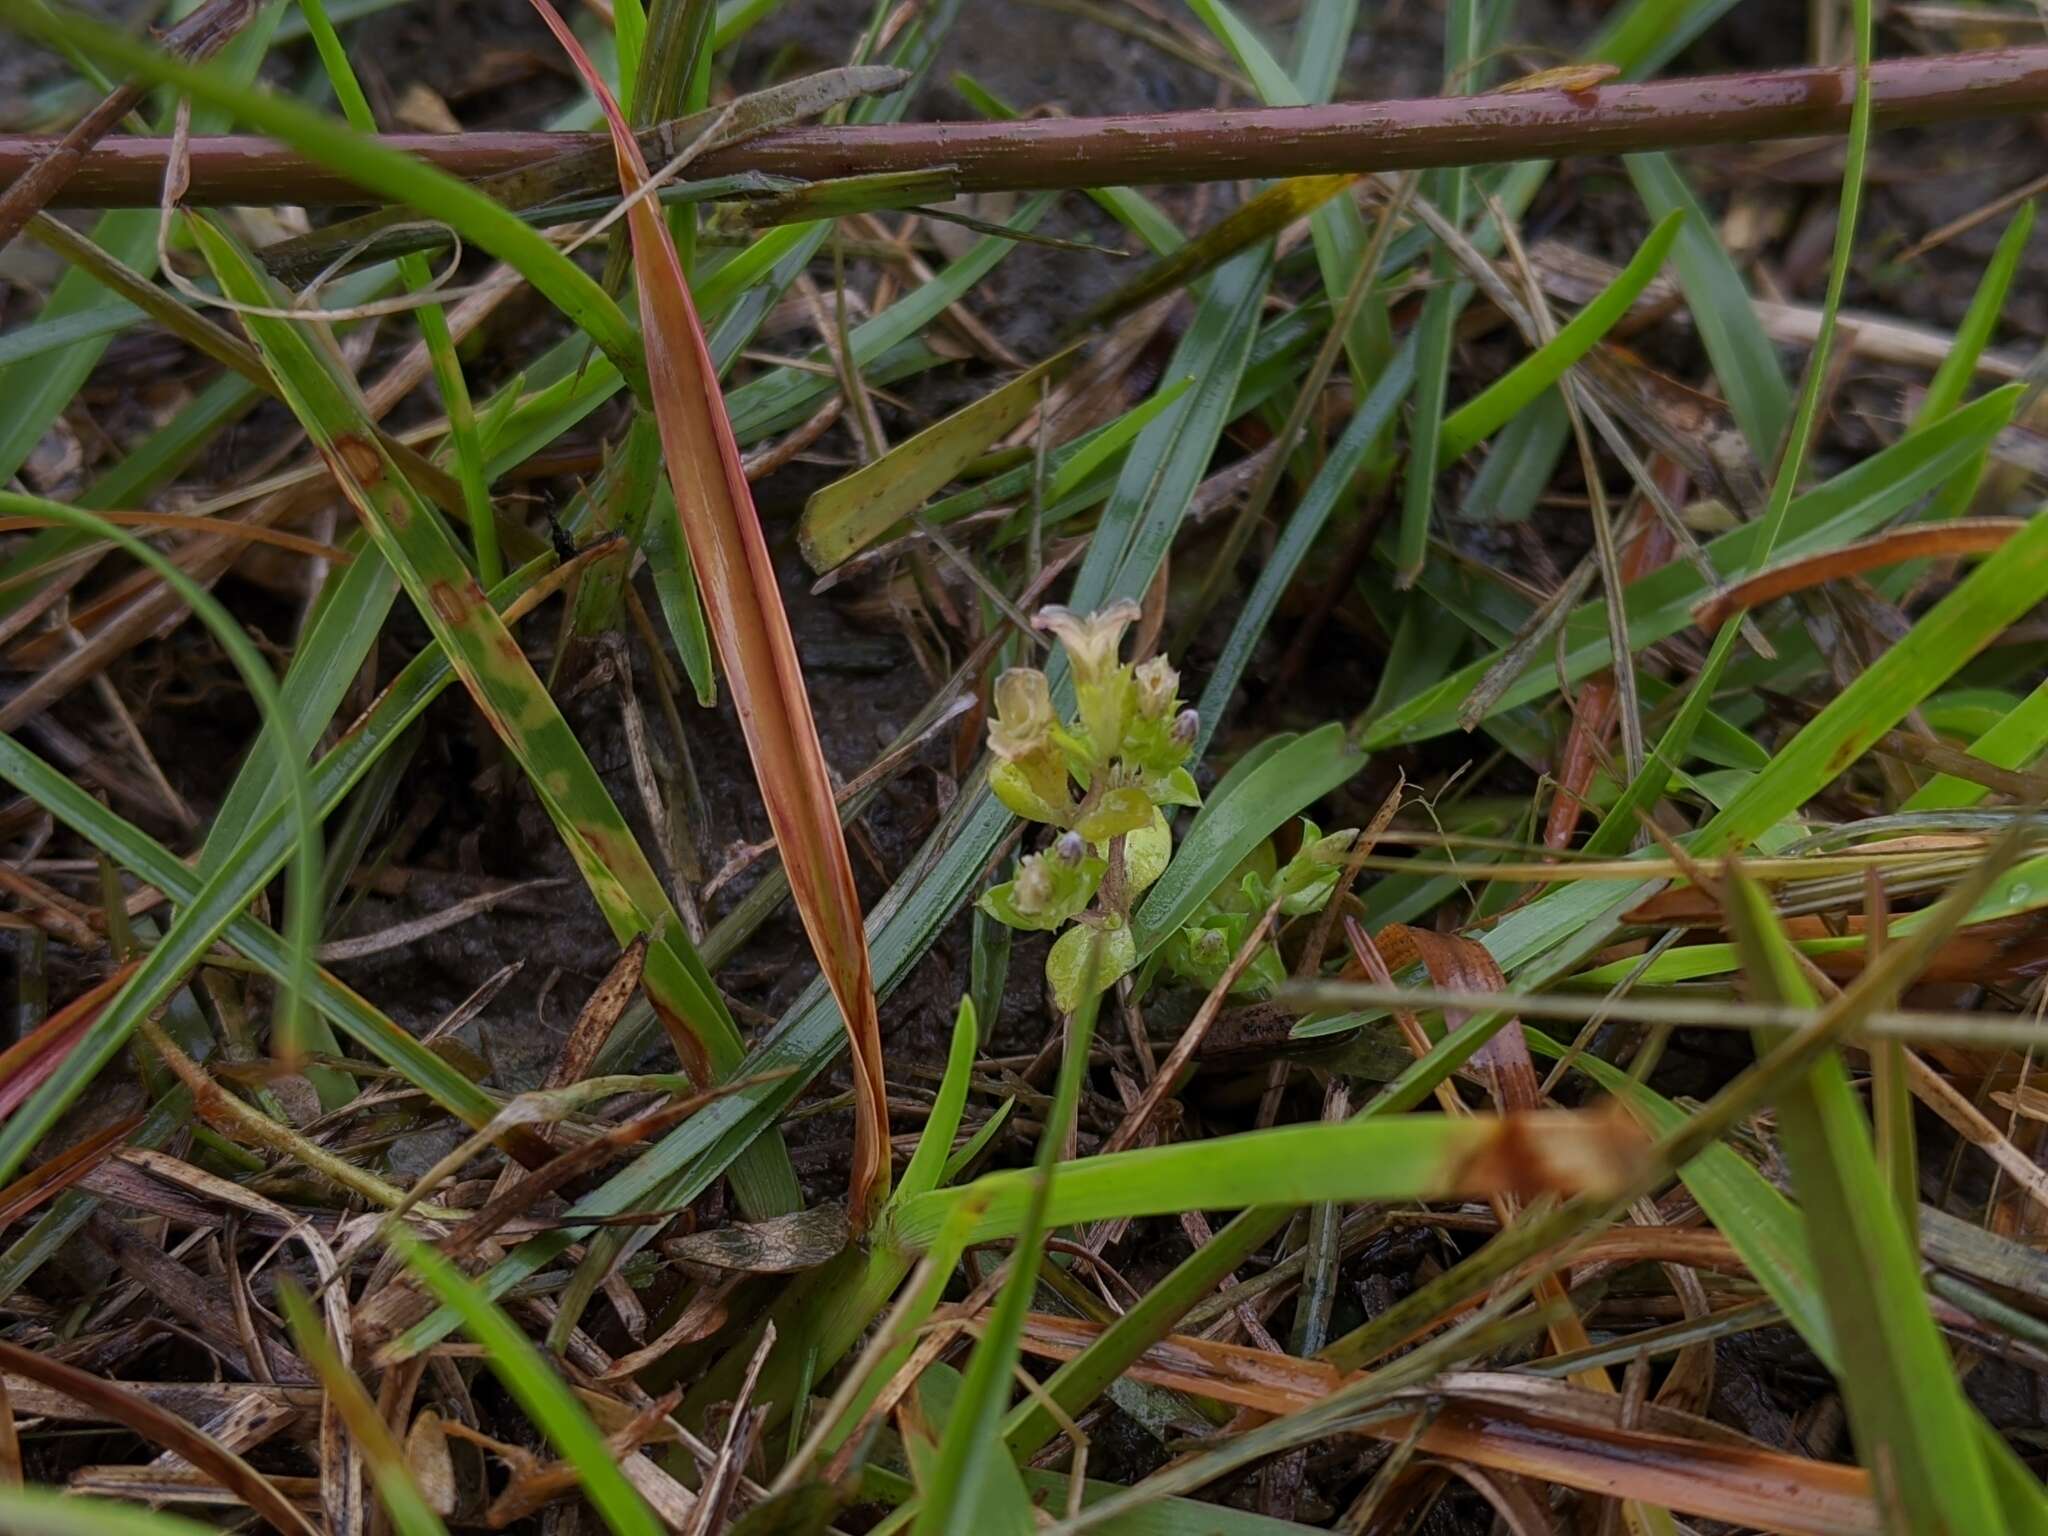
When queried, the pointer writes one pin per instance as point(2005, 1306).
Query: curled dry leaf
point(1962, 536)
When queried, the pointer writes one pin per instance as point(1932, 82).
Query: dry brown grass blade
point(744, 608)
point(163, 1428)
point(1529, 1426)
point(400, 1304)
point(61, 1171)
point(1593, 712)
point(179, 522)
point(600, 1015)
point(24, 1064)
point(1962, 536)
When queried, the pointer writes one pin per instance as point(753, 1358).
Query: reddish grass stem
point(1164, 147)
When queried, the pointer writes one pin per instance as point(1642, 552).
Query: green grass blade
point(1958, 368)
point(1391, 1157)
point(398, 1494)
point(935, 1143)
point(1912, 1423)
point(2016, 741)
point(1994, 595)
point(1236, 818)
point(1743, 358)
point(473, 215)
point(1304, 525)
point(52, 1512)
point(1338, 228)
point(499, 677)
point(1439, 315)
point(152, 981)
point(1852, 504)
point(1517, 389)
point(973, 1471)
point(1168, 460)
point(219, 903)
point(417, 275)
point(855, 510)
point(532, 1380)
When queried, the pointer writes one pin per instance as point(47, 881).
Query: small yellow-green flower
point(1102, 683)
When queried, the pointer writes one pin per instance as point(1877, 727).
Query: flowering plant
point(1101, 778)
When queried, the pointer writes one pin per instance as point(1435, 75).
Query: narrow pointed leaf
point(744, 608)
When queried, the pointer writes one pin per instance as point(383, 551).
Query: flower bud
point(1070, 848)
point(1187, 725)
point(1033, 888)
point(1158, 684)
point(1024, 719)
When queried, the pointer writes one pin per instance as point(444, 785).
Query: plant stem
point(1164, 147)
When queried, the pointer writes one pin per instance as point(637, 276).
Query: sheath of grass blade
point(498, 676)
point(744, 607)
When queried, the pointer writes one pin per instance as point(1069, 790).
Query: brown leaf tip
point(1597, 1151)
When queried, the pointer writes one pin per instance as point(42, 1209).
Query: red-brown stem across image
point(1222, 145)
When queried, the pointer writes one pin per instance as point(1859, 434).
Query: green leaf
point(1241, 813)
point(1074, 966)
point(1147, 852)
point(1118, 811)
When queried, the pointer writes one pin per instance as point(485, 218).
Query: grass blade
point(400, 177)
point(744, 607)
point(499, 677)
point(531, 1379)
point(1398, 1157)
point(1912, 1422)
point(1439, 316)
point(1743, 357)
point(855, 510)
point(159, 972)
point(1516, 390)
